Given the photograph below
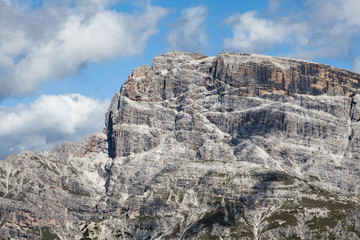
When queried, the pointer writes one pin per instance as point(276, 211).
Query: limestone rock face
point(289, 115)
point(237, 146)
point(51, 194)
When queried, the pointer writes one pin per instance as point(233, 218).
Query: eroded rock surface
point(294, 116)
point(237, 146)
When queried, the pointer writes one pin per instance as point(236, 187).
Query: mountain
point(237, 146)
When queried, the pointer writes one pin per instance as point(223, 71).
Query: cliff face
point(289, 115)
point(238, 146)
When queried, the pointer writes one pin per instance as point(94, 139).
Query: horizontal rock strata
point(237, 146)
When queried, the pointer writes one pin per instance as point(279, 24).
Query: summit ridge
point(237, 146)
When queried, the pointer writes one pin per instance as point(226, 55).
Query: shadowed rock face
point(237, 146)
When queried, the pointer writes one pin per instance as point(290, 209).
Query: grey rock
point(237, 146)
point(281, 113)
point(53, 193)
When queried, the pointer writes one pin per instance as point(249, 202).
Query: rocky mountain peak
point(237, 146)
point(197, 102)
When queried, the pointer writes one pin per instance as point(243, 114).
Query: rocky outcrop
point(237, 146)
point(50, 195)
point(294, 116)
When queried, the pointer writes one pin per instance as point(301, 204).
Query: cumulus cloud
point(254, 34)
point(189, 32)
point(53, 41)
point(49, 120)
point(330, 12)
point(322, 29)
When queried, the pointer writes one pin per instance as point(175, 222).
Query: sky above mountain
point(62, 61)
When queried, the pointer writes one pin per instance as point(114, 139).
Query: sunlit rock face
point(237, 146)
point(289, 115)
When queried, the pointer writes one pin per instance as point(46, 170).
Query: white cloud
point(254, 34)
point(328, 12)
point(49, 120)
point(321, 29)
point(55, 41)
point(356, 65)
point(189, 33)
point(274, 5)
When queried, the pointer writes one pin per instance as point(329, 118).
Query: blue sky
point(62, 61)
